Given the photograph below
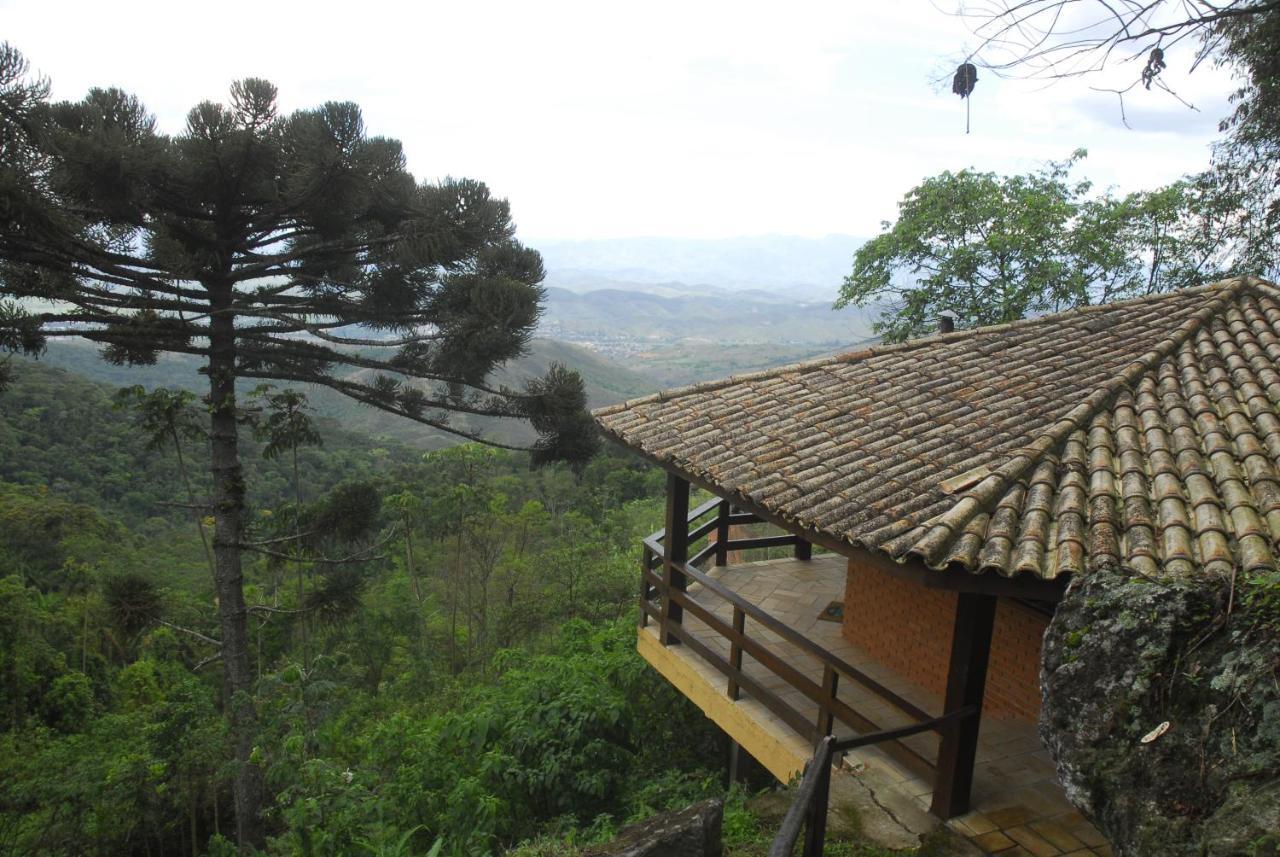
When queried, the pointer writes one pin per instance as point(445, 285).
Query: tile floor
point(1018, 805)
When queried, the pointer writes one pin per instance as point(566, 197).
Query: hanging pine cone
point(964, 81)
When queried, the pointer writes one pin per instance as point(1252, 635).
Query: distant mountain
point(789, 266)
point(606, 382)
point(622, 323)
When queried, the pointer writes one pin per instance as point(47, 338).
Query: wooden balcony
point(747, 642)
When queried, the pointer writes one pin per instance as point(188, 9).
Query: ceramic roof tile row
point(1145, 433)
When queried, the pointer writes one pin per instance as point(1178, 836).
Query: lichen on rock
point(1125, 654)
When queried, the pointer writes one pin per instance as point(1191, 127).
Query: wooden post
point(675, 551)
point(735, 651)
point(966, 681)
point(734, 752)
point(722, 533)
point(826, 718)
point(804, 549)
point(644, 585)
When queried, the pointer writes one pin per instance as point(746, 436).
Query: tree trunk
point(228, 503)
point(303, 618)
point(408, 553)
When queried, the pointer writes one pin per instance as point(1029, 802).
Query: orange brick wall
point(908, 629)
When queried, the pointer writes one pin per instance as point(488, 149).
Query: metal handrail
point(809, 809)
point(809, 806)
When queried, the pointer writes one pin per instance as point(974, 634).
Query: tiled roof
point(1145, 432)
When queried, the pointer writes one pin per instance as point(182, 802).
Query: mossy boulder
point(690, 832)
point(1125, 655)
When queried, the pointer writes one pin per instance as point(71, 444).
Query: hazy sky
point(605, 119)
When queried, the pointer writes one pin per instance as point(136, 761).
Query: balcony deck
point(1018, 802)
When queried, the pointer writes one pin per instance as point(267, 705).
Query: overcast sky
point(604, 119)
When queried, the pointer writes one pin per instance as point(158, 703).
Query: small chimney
point(946, 322)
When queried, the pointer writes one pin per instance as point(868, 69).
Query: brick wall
point(908, 628)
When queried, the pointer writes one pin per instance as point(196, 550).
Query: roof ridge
point(939, 530)
point(921, 342)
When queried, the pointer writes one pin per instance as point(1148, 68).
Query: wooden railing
point(808, 810)
point(664, 598)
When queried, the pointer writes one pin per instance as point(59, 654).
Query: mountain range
point(787, 266)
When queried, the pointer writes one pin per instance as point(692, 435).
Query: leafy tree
point(273, 247)
point(991, 249)
point(1055, 39)
point(985, 247)
point(287, 426)
point(169, 417)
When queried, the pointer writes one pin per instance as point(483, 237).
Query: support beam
point(675, 551)
point(966, 681)
point(735, 751)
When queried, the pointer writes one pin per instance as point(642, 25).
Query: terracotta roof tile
point(1145, 432)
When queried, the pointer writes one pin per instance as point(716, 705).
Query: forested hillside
point(446, 656)
point(62, 432)
point(605, 382)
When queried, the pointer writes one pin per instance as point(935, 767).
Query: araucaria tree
point(293, 248)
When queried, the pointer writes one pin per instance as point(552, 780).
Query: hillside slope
point(606, 383)
point(60, 431)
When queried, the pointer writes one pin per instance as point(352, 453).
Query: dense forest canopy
point(442, 679)
point(276, 248)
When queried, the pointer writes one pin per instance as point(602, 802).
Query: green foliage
point(1248, 159)
point(287, 425)
point(165, 416)
point(65, 435)
point(555, 739)
point(991, 249)
point(443, 701)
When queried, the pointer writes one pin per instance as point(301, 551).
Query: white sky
point(604, 119)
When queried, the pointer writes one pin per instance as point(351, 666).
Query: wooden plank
point(759, 692)
point(838, 708)
point(702, 529)
point(966, 681)
point(703, 554)
point(805, 644)
point(762, 542)
point(804, 549)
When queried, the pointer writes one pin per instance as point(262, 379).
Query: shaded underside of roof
point(1144, 433)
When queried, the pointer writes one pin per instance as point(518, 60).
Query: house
point(956, 484)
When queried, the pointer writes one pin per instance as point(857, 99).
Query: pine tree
point(290, 248)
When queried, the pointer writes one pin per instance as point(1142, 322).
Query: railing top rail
point(694, 515)
point(795, 637)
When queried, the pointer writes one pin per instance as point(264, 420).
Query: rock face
point(690, 832)
point(1125, 655)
